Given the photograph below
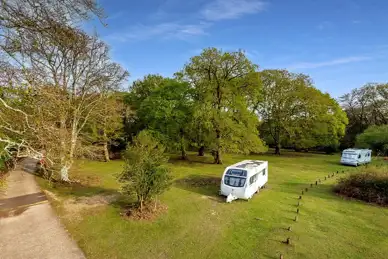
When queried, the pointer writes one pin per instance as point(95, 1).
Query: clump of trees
point(145, 174)
point(295, 114)
point(365, 106)
point(54, 79)
point(225, 84)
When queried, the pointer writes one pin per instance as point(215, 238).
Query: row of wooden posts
point(305, 190)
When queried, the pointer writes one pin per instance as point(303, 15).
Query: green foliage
point(140, 90)
point(294, 113)
point(225, 85)
point(370, 185)
point(365, 106)
point(145, 173)
point(168, 109)
point(375, 138)
point(105, 127)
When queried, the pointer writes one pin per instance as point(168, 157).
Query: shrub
point(145, 174)
point(370, 185)
point(376, 138)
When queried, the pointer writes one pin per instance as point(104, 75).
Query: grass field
point(199, 224)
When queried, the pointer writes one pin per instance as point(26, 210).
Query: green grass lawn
point(199, 224)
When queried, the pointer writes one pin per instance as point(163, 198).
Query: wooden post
point(288, 241)
point(316, 182)
point(289, 228)
point(302, 192)
point(297, 211)
point(337, 172)
point(298, 204)
point(300, 197)
point(311, 185)
point(296, 218)
point(307, 189)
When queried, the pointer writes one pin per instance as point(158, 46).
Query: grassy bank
point(199, 224)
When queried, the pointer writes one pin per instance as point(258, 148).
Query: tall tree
point(168, 110)
point(106, 125)
point(224, 84)
point(56, 60)
point(295, 113)
point(364, 106)
point(140, 90)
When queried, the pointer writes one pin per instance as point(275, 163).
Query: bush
point(145, 174)
point(376, 138)
point(371, 185)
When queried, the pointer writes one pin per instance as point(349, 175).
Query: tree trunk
point(217, 157)
point(183, 153)
point(277, 149)
point(73, 141)
point(183, 149)
point(141, 204)
point(106, 151)
point(65, 173)
point(201, 151)
point(217, 153)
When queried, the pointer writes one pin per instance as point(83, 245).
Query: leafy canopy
point(296, 114)
point(225, 85)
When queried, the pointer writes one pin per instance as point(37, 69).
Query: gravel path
point(29, 227)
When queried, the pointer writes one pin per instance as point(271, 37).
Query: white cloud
point(231, 9)
point(334, 62)
point(214, 11)
point(162, 30)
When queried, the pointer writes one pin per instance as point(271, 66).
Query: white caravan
point(244, 179)
point(356, 157)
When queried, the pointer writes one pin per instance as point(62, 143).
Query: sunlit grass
point(199, 224)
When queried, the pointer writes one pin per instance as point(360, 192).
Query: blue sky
point(341, 44)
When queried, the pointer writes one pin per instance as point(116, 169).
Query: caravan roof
point(353, 150)
point(246, 164)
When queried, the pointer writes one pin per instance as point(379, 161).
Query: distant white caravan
point(356, 157)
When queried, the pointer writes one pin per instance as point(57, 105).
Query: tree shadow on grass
point(191, 160)
point(79, 189)
point(202, 184)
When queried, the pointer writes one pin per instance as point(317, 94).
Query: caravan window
point(234, 181)
point(264, 172)
point(253, 179)
point(237, 172)
point(349, 155)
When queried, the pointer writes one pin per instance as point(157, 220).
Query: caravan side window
point(264, 171)
point(253, 179)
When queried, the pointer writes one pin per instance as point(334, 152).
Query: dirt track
point(28, 225)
